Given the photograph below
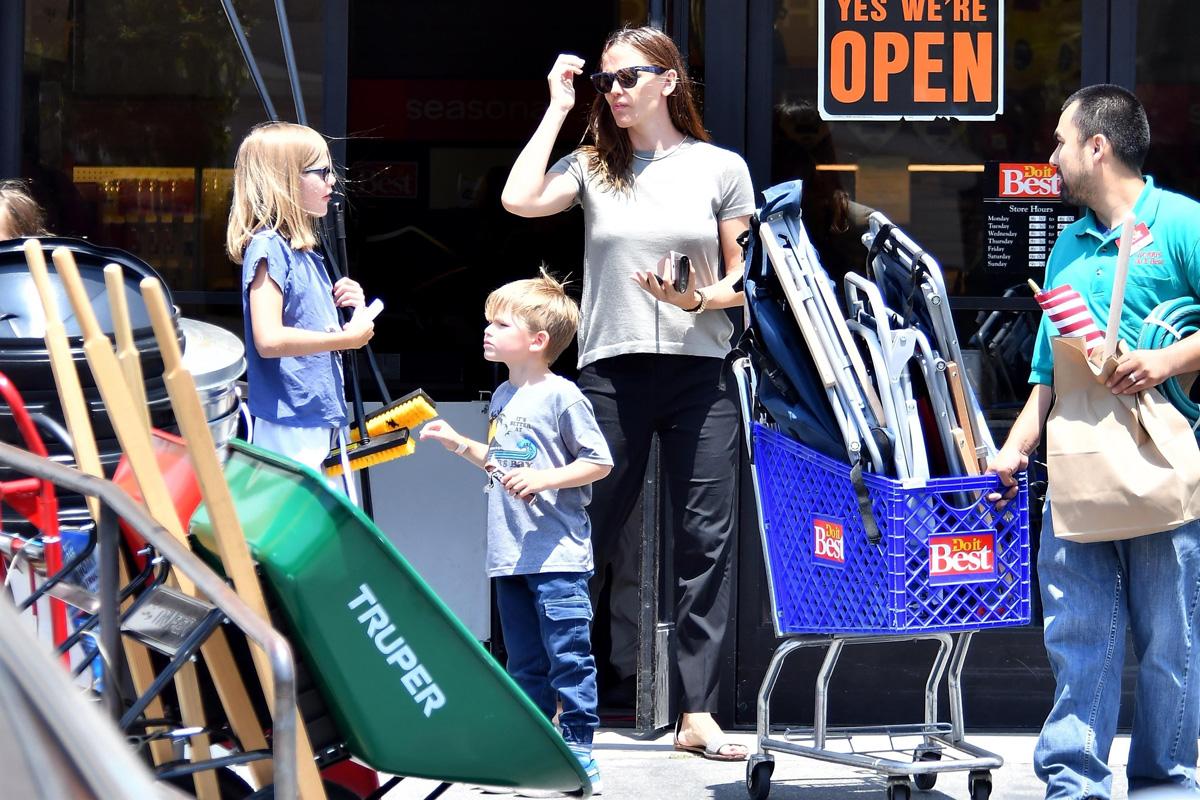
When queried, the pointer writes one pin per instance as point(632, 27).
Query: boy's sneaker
point(589, 766)
point(593, 772)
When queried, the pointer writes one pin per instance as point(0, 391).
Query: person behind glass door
point(651, 357)
point(283, 179)
point(20, 214)
point(1092, 592)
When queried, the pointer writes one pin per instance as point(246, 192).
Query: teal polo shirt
point(1085, 257)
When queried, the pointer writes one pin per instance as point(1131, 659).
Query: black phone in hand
point(681, 265)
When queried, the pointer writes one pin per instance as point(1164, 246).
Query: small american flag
point(1070, 315)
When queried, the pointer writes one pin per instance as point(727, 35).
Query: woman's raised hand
point(562, 81)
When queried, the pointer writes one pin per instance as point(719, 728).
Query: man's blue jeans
point(1091, 593)
point(546, 620)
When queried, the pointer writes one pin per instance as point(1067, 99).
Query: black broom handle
point(340, 231)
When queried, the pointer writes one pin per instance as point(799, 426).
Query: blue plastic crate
point(947, 560)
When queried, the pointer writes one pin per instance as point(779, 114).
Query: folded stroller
point(911, 284)
point(831, 393)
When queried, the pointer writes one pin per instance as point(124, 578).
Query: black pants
point(678, 397)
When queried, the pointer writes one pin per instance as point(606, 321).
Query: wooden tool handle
point(964, 450)
point(66, 379)
point(64, 261)
point(127, 354)
point(87, 458)
point(231, 542)
point(227, 528)
point(963, 411)
point(36, 260)
point(135, 441)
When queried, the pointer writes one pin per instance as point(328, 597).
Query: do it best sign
point(916, 59)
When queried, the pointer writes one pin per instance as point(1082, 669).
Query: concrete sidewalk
point(633, 769)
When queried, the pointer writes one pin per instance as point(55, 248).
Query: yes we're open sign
point(911, 59)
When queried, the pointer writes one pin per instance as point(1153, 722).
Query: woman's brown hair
point(610, 154)
point(22, 214)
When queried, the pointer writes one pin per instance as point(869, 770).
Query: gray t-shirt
point(675, 203)
point(543, 425)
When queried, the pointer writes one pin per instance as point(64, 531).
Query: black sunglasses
point(322, 172)
point(626, 76)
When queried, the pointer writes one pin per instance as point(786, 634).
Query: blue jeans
point(546, 620)
point(1091, 593)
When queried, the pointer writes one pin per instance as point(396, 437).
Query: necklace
point(659, 156)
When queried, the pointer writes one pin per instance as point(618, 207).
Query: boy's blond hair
point(540, 304)
point(266, 186)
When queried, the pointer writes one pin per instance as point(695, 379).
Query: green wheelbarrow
point(410, 690)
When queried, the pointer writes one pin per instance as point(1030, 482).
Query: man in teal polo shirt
point(1151, 585)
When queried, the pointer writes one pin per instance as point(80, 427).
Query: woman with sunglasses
point(282, 180)
point(652, 349)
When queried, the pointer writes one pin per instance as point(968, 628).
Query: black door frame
point(12, 78)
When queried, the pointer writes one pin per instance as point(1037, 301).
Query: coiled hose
point(1168, 323)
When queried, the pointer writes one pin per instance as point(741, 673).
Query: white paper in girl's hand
point(368, 312)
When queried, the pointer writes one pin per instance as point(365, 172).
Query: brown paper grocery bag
point(1119, 466)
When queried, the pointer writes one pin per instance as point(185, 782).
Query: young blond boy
point(544, 452)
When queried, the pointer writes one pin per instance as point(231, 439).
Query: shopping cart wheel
point(758, 776)
point(926, 780)
point(979, 785)
point(899, 789)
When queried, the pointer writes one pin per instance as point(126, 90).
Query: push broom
point(231, 542)
point(87, 459)
point(134, 437)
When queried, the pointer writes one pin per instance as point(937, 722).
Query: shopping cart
point(940, 572)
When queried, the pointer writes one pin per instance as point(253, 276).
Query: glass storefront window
point(437, 114)
point(926, 176)
point(1168, 84)
point(133, 110)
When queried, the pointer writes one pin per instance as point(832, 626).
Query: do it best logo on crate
point(953, 558)
point(829, 542)
point(962, 558)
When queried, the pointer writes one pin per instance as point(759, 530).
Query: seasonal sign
point(911, 59)
point(1025, 213)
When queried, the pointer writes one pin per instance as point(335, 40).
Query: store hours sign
point(1025, 214)
point(911, 59)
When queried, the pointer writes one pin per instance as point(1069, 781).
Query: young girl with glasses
point(651, 355)
point(283, 179)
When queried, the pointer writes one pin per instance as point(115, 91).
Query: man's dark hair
point(1115, 112)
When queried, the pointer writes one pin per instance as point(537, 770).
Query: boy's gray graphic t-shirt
point(676, 203)
point(541, 426)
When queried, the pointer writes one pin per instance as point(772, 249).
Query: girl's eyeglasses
point(321, 172)
point(626, 76)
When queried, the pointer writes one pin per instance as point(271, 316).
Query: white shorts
point(309, 446)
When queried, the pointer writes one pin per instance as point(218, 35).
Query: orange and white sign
point(1029, 182)
point(829, 542)
point(962, 558)
point(911, 59)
